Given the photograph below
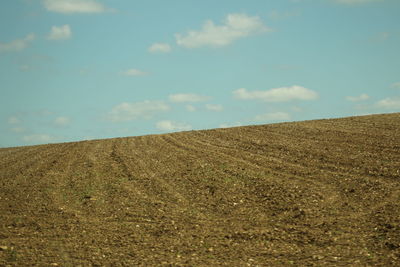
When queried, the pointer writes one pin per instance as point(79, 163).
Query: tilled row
point(310, 193)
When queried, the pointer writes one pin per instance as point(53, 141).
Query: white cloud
point(13, 120)
point(273, 116)
point(160, 48)
point(235, 26)
point(182, 98)
point(62, 121)
point(190, 108)
point(359, 98)
point(392, 103)
point(17, 45)
point(134, 72)
point(282, 94)
point(60, 33)
point(74, 6)
point(169, 126)
point(228, 125)
point(139, 110)
point(355, 2)
point(214, 107)
point(38, 138)
point(395, 85)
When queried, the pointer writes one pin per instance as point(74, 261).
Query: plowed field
point(314, 193)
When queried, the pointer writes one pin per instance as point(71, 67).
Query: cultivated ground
point(315, 193)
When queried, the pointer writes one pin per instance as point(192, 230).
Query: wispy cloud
point(134, 72)
point(228, 125)
point(390, 103)
point(182, 98)
point(17, 45)
point(159, 48)
point(13, 120)
point(38, 138)
point(273, 116)
point(25, 67)
point(395, 85)
point(74, 6)
point(277, 15)
point(359, 98)
point(214, 107)
point(282, 94)
point(355, 2)
point(235, 26)
point(383, 36)
point(169, 126)
point(84, 71)
point(138, 110)
point(18, 129)
point(191, 108)
point(60, 33)
point(62, 121)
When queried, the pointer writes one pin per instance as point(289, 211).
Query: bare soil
point(314, 193)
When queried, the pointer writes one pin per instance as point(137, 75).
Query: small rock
point(2, 248)
point(54, 264)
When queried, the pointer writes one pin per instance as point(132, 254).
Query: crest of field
point(314, 193)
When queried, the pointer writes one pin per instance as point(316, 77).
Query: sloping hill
point(323, 193)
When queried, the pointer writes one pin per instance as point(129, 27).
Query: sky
point(74, 70)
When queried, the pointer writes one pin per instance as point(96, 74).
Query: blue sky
point(73, 70)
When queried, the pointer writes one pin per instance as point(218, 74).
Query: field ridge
point(312, 193)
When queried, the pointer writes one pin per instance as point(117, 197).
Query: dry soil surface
point(314, 193)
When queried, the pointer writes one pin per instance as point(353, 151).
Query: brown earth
point(315, 193)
